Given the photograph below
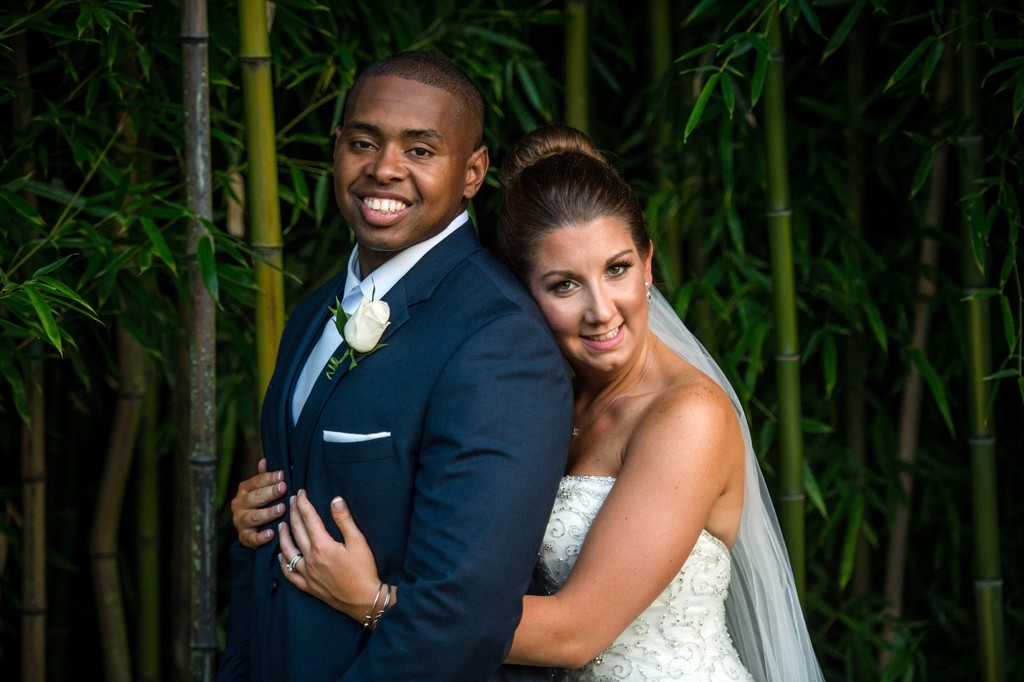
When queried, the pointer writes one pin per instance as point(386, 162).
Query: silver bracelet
point(369, 622)
point(383, 608)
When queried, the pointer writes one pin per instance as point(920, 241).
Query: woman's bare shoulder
point(689, 409)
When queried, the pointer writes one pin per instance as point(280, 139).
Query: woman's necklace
point(647, 368)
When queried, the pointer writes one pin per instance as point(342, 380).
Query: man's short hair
point(435, 70)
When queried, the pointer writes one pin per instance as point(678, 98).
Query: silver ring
point(295, 560)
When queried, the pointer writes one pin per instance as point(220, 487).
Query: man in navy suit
point(447, 440)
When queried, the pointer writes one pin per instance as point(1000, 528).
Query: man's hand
point(251, 507)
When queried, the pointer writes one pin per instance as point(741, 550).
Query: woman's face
point(589, 282)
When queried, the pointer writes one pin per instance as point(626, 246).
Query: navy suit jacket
point(477, 401)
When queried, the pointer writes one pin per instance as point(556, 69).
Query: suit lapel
point(311, 329)
point(416, 286)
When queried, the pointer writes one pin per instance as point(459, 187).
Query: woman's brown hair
point(555, 178)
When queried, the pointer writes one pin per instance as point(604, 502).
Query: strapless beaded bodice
point(682, 635)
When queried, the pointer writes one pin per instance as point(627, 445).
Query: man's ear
point(476, 170)
point(337, 139)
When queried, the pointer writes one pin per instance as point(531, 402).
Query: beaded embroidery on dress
point(682, 635)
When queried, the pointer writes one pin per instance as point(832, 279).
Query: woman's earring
point(648, 285)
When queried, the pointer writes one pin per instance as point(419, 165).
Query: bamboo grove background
point(834, 187)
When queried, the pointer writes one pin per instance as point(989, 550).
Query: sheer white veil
point(763, 611)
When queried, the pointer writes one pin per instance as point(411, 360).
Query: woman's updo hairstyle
point(556, 178)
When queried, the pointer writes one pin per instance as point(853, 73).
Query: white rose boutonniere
point(361, 330)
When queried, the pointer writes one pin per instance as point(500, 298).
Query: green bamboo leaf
point(529, 86)
point(849, 553)
point(496, 38)
point(15, 381)
point(813, 490)
point(45, 316)
point(991, 216)
point(16, 331)
point(877, 325)
point(1015, 62)
point(50, 267)
point(978, 246)
point(602, 69)
point(1018, 97)
point(935, 385)
point(702, 7)
point(321, 198)
point(145, 259)
point(156, 239)
point(698, 107)
point(830, 363)
point(84, 19)
point(809, 14)
point(299, 183)
point(843, 30)
point(981, 294)
point(934, 56)
point(924, 168)
point(1009, 324)
point(1008, 190)
point(909, 62)
point(728, 94)
point(706, 47)
point(22, 207)
point(523, 116)
point(735, 46)
point(706, 68)
point(61, 289)
point(102, 18)
point(92, 95)
point(760, 70)
point(315, 139)
point(1009, 264)
point(815, 426)
point(208, 265)
point(987, 31)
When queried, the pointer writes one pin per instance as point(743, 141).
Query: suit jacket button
point(273, 585)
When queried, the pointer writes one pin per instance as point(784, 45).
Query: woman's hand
point(249, 507)
point(341, 574)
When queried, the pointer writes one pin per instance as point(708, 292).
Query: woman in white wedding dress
point(662, 559)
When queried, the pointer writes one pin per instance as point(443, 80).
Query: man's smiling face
point(404, 165)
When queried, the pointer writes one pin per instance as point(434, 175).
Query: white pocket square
point(342, 437)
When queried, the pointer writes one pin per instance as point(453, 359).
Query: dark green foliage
point(95, 222)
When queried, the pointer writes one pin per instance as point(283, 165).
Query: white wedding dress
point(682, 635)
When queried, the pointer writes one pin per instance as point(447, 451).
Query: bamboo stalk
point(202, 350)
point(147, 528)
point(787, 356)
point(855, 350)
point(34, 609)
point(180, 550)
point(33, 491)
point(103, 546)
point(988, 581)
point(913, 391)
point(577, 90)
point(669, 232)
point(262, 202)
